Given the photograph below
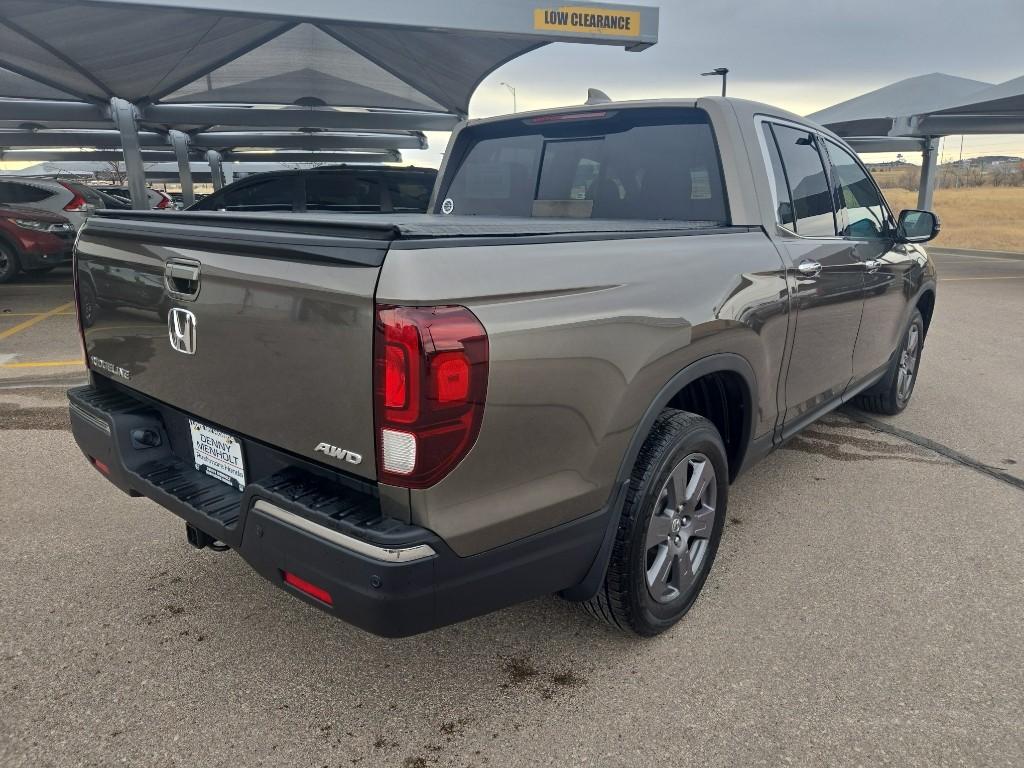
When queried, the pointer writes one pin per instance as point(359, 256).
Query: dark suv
point(349, 189)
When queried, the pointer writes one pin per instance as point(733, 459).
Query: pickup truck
point(544, 385)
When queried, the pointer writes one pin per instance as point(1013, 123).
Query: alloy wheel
point(680, 529)
point(908, 362)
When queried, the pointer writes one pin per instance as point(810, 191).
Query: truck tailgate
point(263, 331)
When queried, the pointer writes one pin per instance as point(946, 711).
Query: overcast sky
point(796, 54)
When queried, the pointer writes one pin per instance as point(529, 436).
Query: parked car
point(157, 199)
point(545, 385)
point(112, 201)
point(33, 240)
point(67, 198)
point(340, 188)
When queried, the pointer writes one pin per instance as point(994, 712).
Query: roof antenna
point(595, 96)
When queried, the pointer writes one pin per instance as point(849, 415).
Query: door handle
point(181, 279)
point(809, 268)
point(872, 265)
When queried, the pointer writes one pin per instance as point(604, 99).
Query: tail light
point(430, 383)
point(165, 200)
point(78, 202)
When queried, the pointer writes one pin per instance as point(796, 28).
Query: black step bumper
point(295, 517)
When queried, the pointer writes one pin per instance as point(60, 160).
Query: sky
point(799, 55)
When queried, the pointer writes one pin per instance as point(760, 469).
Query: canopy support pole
point(180, 143)
point(124, 116)
point(929, 167)
point(216, 168)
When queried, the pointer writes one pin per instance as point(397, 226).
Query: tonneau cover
point(412, 226)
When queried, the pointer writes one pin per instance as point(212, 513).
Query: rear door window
point(808, 182)
point(353, 192)
point(628, 164)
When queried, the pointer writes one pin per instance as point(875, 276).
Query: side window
point(355, 192)
point(808, 183)
point(29, 194)
point(856, 192)
point(274, 194)
point(777, 178)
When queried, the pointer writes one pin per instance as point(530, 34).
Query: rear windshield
point(626, 164)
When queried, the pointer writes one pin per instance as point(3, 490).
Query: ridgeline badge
point(576, 18)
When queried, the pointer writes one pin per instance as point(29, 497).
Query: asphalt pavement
point(865, 607)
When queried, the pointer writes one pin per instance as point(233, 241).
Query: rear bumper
point(383, 575)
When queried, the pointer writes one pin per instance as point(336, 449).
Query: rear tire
point(9, 264)
point(670, 527)
point(892, 394)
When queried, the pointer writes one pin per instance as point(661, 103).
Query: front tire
point(670, 527)
point(9, 264)
point(892, 394)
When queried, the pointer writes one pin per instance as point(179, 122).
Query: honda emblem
point(181, 329)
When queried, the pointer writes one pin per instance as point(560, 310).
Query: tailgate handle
point(181, 279)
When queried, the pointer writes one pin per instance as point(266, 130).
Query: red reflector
point(451, 377)
point(101, 466)
point(310, 589)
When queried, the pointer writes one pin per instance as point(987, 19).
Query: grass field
point(987, 218)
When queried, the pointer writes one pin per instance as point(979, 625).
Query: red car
point(33, 240)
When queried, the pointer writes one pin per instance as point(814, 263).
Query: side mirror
point(917, 227)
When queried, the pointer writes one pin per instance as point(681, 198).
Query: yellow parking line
point(37, 319)
point(31, 314)
point(45, 364)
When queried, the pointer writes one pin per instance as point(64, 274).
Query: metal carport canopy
point(914, 113)
point(202, 140)
point(214, 61)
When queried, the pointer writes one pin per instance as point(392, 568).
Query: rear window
point(626, 164)
point(13, 192)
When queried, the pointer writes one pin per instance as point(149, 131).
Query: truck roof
point(742, 108)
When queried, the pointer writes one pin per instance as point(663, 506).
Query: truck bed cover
point(398, 226)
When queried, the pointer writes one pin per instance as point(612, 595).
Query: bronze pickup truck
point(544, 385)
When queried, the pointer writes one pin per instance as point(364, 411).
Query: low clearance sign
point(574, 18)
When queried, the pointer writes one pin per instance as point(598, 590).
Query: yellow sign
point(577, 18)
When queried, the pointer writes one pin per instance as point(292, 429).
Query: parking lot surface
point(865, 607)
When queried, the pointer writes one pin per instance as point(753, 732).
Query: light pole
point(722, 71)
point(512, 90)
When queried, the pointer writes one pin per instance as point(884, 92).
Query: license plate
point(218, 454)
